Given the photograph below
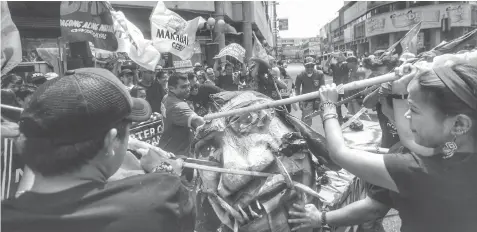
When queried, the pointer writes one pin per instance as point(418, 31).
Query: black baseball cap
point(125, 71)
point(36, 78)
point(83, 104)
point(352, 59)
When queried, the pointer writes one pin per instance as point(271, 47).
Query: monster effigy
point(269, 140)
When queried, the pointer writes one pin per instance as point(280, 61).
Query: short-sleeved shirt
point(381, 194)
point(177, 118)
point(151, 202)
point(389, 135)
point(435, 194)
point(309, 84)
point(340, 73)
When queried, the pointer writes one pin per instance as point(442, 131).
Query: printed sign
point(149, 132)
point(171, 33)
point(88, 21)
point(283, 24)
point(180, 64)
point(431, 16)
point(234, 50)
point(288, 91)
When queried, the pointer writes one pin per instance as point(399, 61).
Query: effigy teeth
point(258, 205)
point(245, 215)
point(255, 215)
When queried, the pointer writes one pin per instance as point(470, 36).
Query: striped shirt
point(11, 170)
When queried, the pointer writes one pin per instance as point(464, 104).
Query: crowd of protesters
point(73, 135)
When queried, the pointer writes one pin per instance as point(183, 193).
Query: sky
point(306, 17)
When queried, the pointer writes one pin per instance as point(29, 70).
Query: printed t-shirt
point(435, 194)
point(177, 117)
point(309, 84)
point(151, 202)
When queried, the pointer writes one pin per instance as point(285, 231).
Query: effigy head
point(270, 141)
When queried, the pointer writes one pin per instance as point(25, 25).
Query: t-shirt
point(389, 135)
point(309, 84)
point(226, 82)
point(379, 193)
point(435, 194)
point(177, 117)
point(151, 202)
point(340, 73)
point(201, 101)
point(154, 95)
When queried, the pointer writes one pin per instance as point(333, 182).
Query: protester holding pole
point(433, 193)
point(74, 135)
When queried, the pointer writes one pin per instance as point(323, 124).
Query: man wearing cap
point(127, 77)
point(210, 75)
point(306, 82)
point(74, 135)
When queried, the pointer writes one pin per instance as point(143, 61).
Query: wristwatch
point(398, 96)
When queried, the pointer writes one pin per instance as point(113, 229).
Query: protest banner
point(183, 66)
point(149, 132)
point(171, 33)
point(88, 21)
point(234, 50)
point(288, 91)
point(11, 43)
point(258, 50)
point(131, 40)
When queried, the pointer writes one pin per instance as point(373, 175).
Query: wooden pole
point(350, 86)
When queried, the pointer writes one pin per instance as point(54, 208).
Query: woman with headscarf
point(435, 192)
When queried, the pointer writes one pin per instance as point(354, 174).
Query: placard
point(149, 132)
point(180, 64)
point(234, 50)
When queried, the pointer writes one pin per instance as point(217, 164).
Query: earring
point(449, 148)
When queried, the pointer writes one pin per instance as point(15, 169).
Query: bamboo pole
point(13, 108)
point(350, 86)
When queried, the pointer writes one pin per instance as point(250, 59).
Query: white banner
point(11, 43)
point(171, 33)
point(131, 41)
point(234, 50)
point(258, 50)
point(179, 64)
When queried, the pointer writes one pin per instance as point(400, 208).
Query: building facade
point(365, 27)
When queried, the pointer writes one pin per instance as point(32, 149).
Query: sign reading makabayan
point(171, 33)
point(234, 50)
point(431, 16)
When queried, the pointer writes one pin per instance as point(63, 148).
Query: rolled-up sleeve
point(404, 169)
point(182, 114)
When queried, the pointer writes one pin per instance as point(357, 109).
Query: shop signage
point(149, 132)
point(234, 50)
point(88, 21)
point(403, 20)
point(283, 24)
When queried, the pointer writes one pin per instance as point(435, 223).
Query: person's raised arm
point(366, 165)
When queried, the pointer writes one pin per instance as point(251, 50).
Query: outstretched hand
point(307, 217)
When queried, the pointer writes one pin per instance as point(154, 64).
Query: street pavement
point(370, 136)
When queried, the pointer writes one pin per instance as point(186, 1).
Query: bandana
point(457, 86)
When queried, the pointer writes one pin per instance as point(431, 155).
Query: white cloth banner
point(234, 50)
point(131, 41)
point(258, 50)
point(171, 33)
point(11, 43)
